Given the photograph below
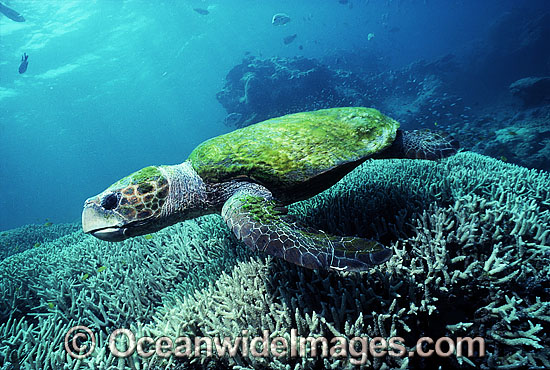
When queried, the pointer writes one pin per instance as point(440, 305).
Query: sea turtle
point(251, 174)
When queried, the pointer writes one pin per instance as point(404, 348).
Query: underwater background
point(113, 86)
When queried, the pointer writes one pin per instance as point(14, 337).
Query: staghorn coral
point(29, 236)
point(468, 233)
point(77, 280)
point(471, 240)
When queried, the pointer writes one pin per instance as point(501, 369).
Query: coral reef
point(32, 236)
point(471, 240)
point(78, 280)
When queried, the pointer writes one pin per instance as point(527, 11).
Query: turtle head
point(143, 202)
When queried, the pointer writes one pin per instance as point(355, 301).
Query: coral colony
point(470, 236)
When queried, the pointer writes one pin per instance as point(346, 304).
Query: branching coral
point(80, 280)
point(471, 244)
point(32, 236)
point(468, 233)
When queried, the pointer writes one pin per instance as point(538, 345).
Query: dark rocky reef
point(532, 90)
point(421, 94)
point(258, 89)
point(518, 136)
point(418, 94)
point(515, 46)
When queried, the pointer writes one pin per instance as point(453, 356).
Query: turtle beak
point(102, 224)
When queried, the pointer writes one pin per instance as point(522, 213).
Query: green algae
point(151, 173)
point(287, 151)
point(262, 210)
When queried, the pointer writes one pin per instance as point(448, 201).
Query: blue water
point(113, 86)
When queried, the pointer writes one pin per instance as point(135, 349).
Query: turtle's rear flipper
point(260, 224)
point(421, 144)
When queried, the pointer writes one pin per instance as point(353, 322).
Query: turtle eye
point(110, 201)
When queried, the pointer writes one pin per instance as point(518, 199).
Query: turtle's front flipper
point(421, 144)
point(255, 218)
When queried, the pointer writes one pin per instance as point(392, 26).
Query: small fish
point(503, 158)
point(435, 123)
point(287, 40)
point(11, 14)
point(24, 63)
point(148, 236)
point(280, 19)
point(51, 305)
point(370, 36)
point(36, 245)
point(201, 11)
point(85, 276)
point(513, 133)
point(48, 224)
point(101, 269)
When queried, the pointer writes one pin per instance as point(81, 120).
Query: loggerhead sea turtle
point(250, 174)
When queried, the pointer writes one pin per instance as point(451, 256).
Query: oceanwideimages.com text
point(124, 343)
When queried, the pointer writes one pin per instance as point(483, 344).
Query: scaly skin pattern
point(142, 193)
point(255, 218)
point(284, 152)
point(147, 201)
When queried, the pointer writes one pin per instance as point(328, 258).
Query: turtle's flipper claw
point(426, 144)
point(256, 220)
point(421, 144)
